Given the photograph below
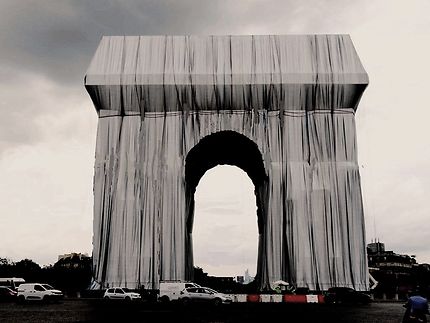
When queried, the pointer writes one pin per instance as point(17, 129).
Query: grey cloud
point(58, 38)
point(33, 107)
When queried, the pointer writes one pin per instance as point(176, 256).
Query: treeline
point(72, 275)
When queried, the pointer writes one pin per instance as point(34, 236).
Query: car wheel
point(164, 299)
point(186, 301)
point(21, 299)
point(128, 299)
point(217, 302)
point(106, 297)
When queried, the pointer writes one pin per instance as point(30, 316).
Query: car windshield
point(210, 290)
point(126, 290)
point(47, 287)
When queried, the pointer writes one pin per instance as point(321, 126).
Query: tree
point(6, 267)
point(72, 274)
point(28, 269)
point(5, 261)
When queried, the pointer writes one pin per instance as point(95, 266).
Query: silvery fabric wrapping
point(170, 107)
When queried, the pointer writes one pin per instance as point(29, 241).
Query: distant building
point(378, 257)
point(73, 260)
point(375, 247)
point(396, 273)
point(73, 255)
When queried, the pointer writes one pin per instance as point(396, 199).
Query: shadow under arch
point(227, 148)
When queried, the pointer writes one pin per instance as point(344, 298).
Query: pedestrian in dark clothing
point(416, 309)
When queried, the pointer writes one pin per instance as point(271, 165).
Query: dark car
point(302, 291)
point(7, 294)
point(338, 295)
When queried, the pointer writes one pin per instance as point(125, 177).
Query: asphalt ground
point(93, 310)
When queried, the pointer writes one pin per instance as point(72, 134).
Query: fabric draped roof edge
point(272, 72)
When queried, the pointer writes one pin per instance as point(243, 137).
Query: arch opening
point(225, 234)
point(225, 148)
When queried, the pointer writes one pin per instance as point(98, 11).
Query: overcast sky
point(48, 124)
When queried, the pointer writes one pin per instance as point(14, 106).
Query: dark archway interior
point(224, 148)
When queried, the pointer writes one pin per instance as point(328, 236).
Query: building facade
point(398, 275)
point(282, 108)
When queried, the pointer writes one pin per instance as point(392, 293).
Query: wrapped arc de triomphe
point(282, 108)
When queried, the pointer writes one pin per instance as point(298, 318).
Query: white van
point(171, 290)
point(11, 282)
point(35, 291)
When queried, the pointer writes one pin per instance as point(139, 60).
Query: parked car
point(203, 294)
point(121, 293)
point(7, 294)
point(11, 282)
point(337, 295)
point(36, 291)
point(170, 290)
point(302, 291)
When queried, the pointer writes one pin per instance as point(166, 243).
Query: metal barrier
point(275, 298)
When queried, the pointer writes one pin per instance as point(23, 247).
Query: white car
point(36, 291)
point(121, 293)
point(170, 290)
point(203, 294)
